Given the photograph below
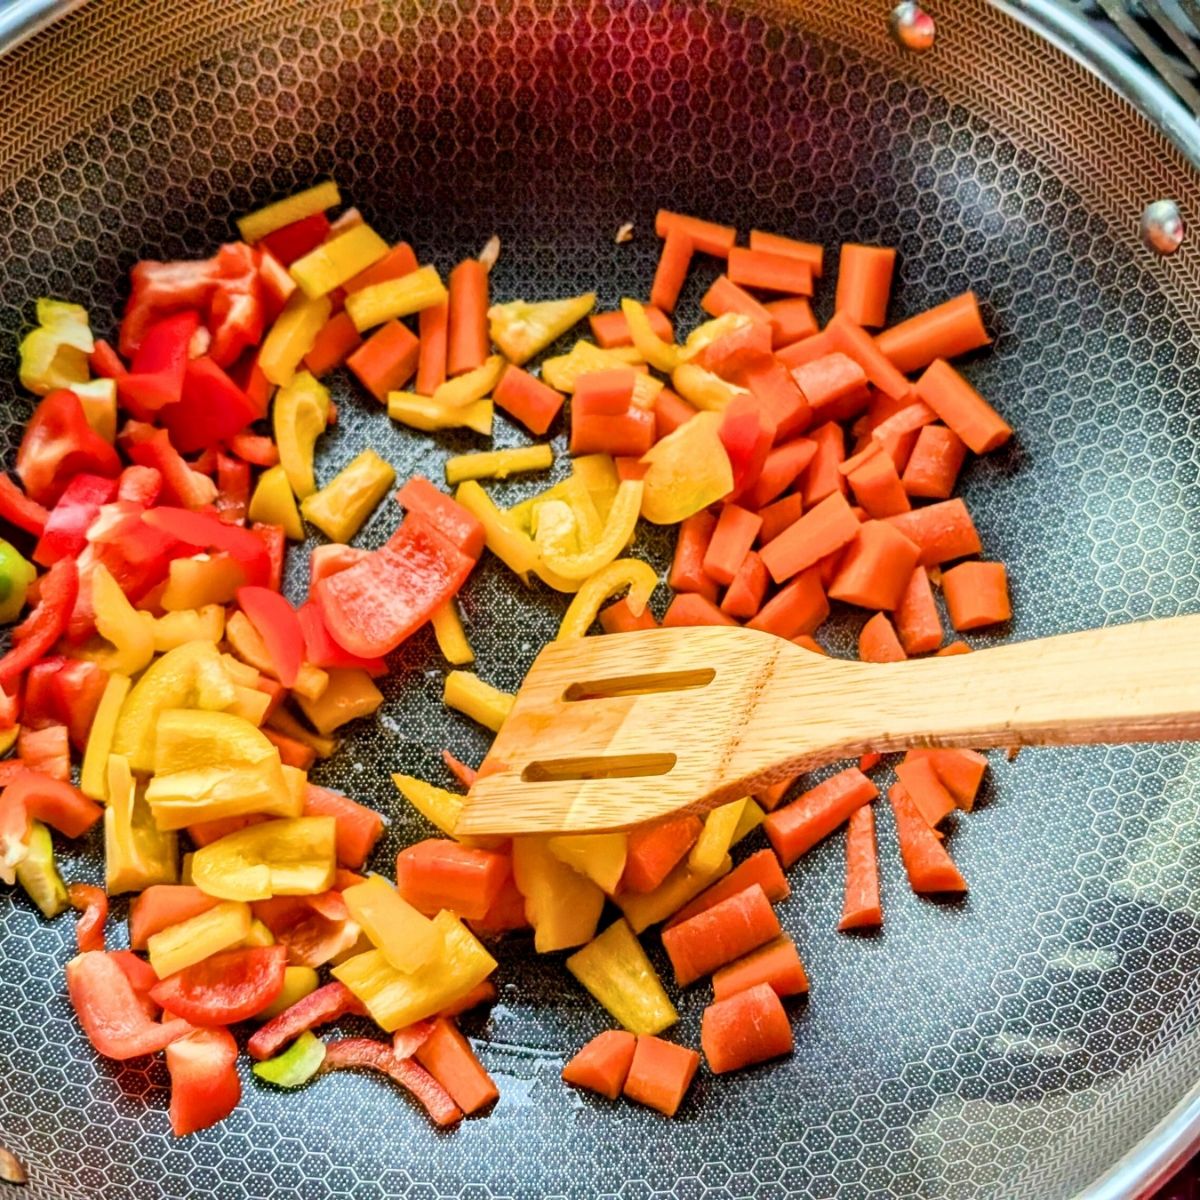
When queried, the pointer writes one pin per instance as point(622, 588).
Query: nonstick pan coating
point(1014, 1045)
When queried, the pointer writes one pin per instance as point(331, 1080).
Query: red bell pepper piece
point(136, 555)
point(141, 977)
point(150, 447)
point(275, 542)
point(40, 705)
point(330, 559)
point(322, 651)
point(206, 531)
point(235, 311)
point(140, 485)
point(33, 797)
point(77, 687)
point(297, 239)
point(109, 1010)
point(379, 1056)
point(160, 288)
point(747, 433)
point(212, 408)
point(92, 903)
point(58, 445)
point(46, 751)
point(155, 380)
point(226, 987)
point(106, 362)
point(326, 1004)
point(44, 625)
point(444, 513)
point(276, 622)
point(205, 1087)
point(255, 448)
point(233, 483)
point(371, 608)
point(66, 529)
point(17, 509)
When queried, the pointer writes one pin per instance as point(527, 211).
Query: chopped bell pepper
point(320, 650)
point(711, 847)
point(562, 905)
point(205, 1087)
point(751, 818)
point(150, 447)
point(562, 371)
point(298, 1063)
point(504, 537)
point(631, 573)
point(298, 982)
point(615, 969)
point(499, 464)
point(66, 530)
point(471, 386)
point(137, 854)
point(98, 398)
point(250, 704)
point(196, 583)
point(665, 356)
point(401, 297)
point(93, 777)
point(291, 857)
point(249, 645)
point(130, 632)
point(195, 939)
point(276, 623)
point(258, 936)
point(478, 700)
point(337, 260)
point(406, 937)
point(339, 509)
point(173, 629)
point(598, 473)
point(643, 909)
point(57, 591)
point(16, 574)
point(57, 445)
point(687, 471)
point(266, 220)
point(451, 637)
point(702, 389)
point(155, 378)
point(55, 354)
point(425, 413)
point(274, 503)
point(618, 532)
point(522, 328)
point(395, 999)
point(300, 417)
point(350, 694)
point(211, 408)
point(18, 509)
point(37, 873)
point(599, 856)
point(438, 806)
point(292, 337)
point(206, 531)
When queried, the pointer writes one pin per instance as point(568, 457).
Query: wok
point(1039, 1040)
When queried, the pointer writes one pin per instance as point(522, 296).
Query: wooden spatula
point(611, 731)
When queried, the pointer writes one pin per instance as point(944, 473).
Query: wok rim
point(1176, 1138)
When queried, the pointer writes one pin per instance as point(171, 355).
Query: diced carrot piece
point(607, 393)
point(898, 433)
point(358, 828)
point(868, 762)
point(928, 793)
point(433, 325)
point(611, 329)
point(526, 399)
point(822, 477)
point(933, 466)
point(778, 515)
point(718, 935)
point(203, 833)
point(946, 331)
point(878, 643)
point(876, 567)
point(448, 1057)
point(881, 407)
point(865, 283)
point(743, 1029)
point(796, 828)
point(877, 487)
point(962, 408)
point(808, 350)
point(799, 607)
point(660, 1074)
point(807, 642)
point(468, 341)
point(781, 400)
point(977, 595)
point(835, 385)
point(255, 448)
point(687, 567)
point(777, 964)
point(673, 264)
point(162, 905)
point(454, 522)
point(725, 297)
point(761, 868)
point(481, 993)
point(861, 908)
point(928, 866)
point(961, 772)
point(954, 648)
point(395, 264)
point(731, 540)
point(774, 243)
point(707, 236)
point(745, 594)
point(603, 1064)
point(655, 849)
point(506, 913)
point(942, 531)
point(670, 411)
point(783, 466)
point(459, 769)
point(291, 752)
point(770, 272)
point(337, 340)
point(917, 622)
point(851, 338)
point(619, 618)
point(791, 319)
point(819, 532)
point(385, 362)
point(770, 797)
point(630, 433)
point(438, 873)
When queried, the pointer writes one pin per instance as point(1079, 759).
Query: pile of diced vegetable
point(160, 667)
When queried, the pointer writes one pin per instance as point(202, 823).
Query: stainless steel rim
point(1177, 1137)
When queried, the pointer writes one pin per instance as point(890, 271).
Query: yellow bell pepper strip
point(187, 739)
point(136, 853)
point(339, 509)
point(191, 676)
point(405, 937)
point(93, 776)
point(283, 722)
point(440, 808)
point(471, 385)
point(599, 856)
point(337, 260)
point(37, 873)
point(55, 354)
point(130, 632)
point(618, 532)
point(702, 389)
point(708, 332)
point(562, 905)
point(426, 414)
point(522, 328)
point(711, 847)
point(643, 909)
point(298, 982)
point(351, 693)
point(563, 370)
point(193, 940)
point(16, 574)
point(395, 999)
point(631, 573)
point(598, 473)
point(687, 471)
point(241, 673)
point(274, 503)
point(478, 700)
point(451, 637)
point(297, 785)
point(259, 935)
point(498, 464)
point(292, 337)
point(8, 739)
point(256, 225)
point(411, 293)
point(250, 704)
point(300, 416)
point(664, 356)
point(98, 399)
point(504, 537)
point(247, 643)
point(752, 817)
point(295, 857)
point(299, 1062)
point(202, 580)
point(177, 628)
point(615, 969)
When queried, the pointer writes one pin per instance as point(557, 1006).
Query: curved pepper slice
point(278, 626)
point(18, 509)
point(689, 469)
point(92, 905)
point(55, 354)
point(296, 1065)
point(225, 988)
point(205, 1087)
point(16, 574)
point(59, 444)
point(296, 857)
point(131, 632)
point(300, 416)
point(663, 355)
point(32, 797)
point(44, 625)
point(631, 573)
point(618, 532)
point(206, 531)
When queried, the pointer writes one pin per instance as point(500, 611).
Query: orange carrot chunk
point(396, 263)
point(660, 1074)
point(771, 796)
point(959, 647)
point(438, 873)
point(777, 964)
point(611, 329)
point(606, 393)
point(673, 264)
point(928, 866)
point(946, 331)
point(851, 338)
point(782, 467)
point(917, 622)
point(962, 408)
point(933, 466)
point(690, 608)
point(977, 595)
point(928, 793)
point(433, 324)
point(791, 319)
point(761, 868)
point(743, 1029)
point(619, 618)
point(654, 850)
point(731, 540)
point(724, 296)
point(877, 486)
point(798, 608)
point(468, 341)
point(744, 596)
point(687, 567)
point(526, 399)
point(385, 362)
point(878, 643)
point(707, 236)
point(898, 433)
point(338, 338)
point(835, 385)
point(861, 908)
point(942, 531)
point(868, 762)
point(815, 814)
point(819, 532)
point(876, 567)
point(728, 930)
point(670, 411)
point(603, 1064)
point(770, 272)
point(961, 772)
point(448, 1057)
point(865, 283)
point(774, 243)
point(630, 433)
point(809, 349)
point(822, 478)
point(778, 515)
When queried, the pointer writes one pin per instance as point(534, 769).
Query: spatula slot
point(598, 766)
point(641, 685)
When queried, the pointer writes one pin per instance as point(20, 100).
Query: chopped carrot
point(468, 341)
point(687, 567)
point(653, 851)
point(962, 408)
point(808, 349)
point(898, 433)
point(810, 252)
point(771, 384)
point(959, 647)
point(876, 567)
point(707, 236)
point(881, 407)
point(670, 411)
point(822, 478)
point(977, 595)
point(396, 263)
point(917, 622)
point(743, 1029)
point(438, 873)
point(928, 866)
point(865, 450)
point(778, 515)
point(942, 531)
point(946, 331)
point(604, 393)
point(744, 596)
point(835, 385)
point(761, 868)
point(927, 791)
point(162, 905)
point(770, 272)
point(820, 531)
point(726, 297)
point(506, 913)
point(481, 993)
point(433, 325)
point(448, 1057)
point(255, 448)
point(868, 762)
point(850, 338)
point(603, 1064)
point(660, 1074)
point(385, 362)
point(783, 466)
point(777, 964)
point(791, 319)
point(630, 468)
point(807, 642)
point(771, 796)
point(718, 935)
point(203, 833)
point(933, 466)
point(673, 264)
point(611, 329)
point(691, 608)
point(961, 772)
point(861, 908)
point(459, 769)
point(337, 340)
point(731, 540)
point(526, 399)
point(814, 815)
point(798, 608)
point(291, 752)
point(877, 486)
point(865, 283)
point(629, 433)
point(878, 643)
point(619, 618)
point(831, 564)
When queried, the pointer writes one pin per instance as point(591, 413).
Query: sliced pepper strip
point(31, 797)
point(276, 622)
point(44, 625)
point(300, 417)
point(326, 1004)
point(631, 573)
point(91, 902)
point(131, 632)
point(665, 356)
point(206, 531)
point(618, 532)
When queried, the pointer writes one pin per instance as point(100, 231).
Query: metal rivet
point(11, 1168)
point(912, 27)
point(1162, 227)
